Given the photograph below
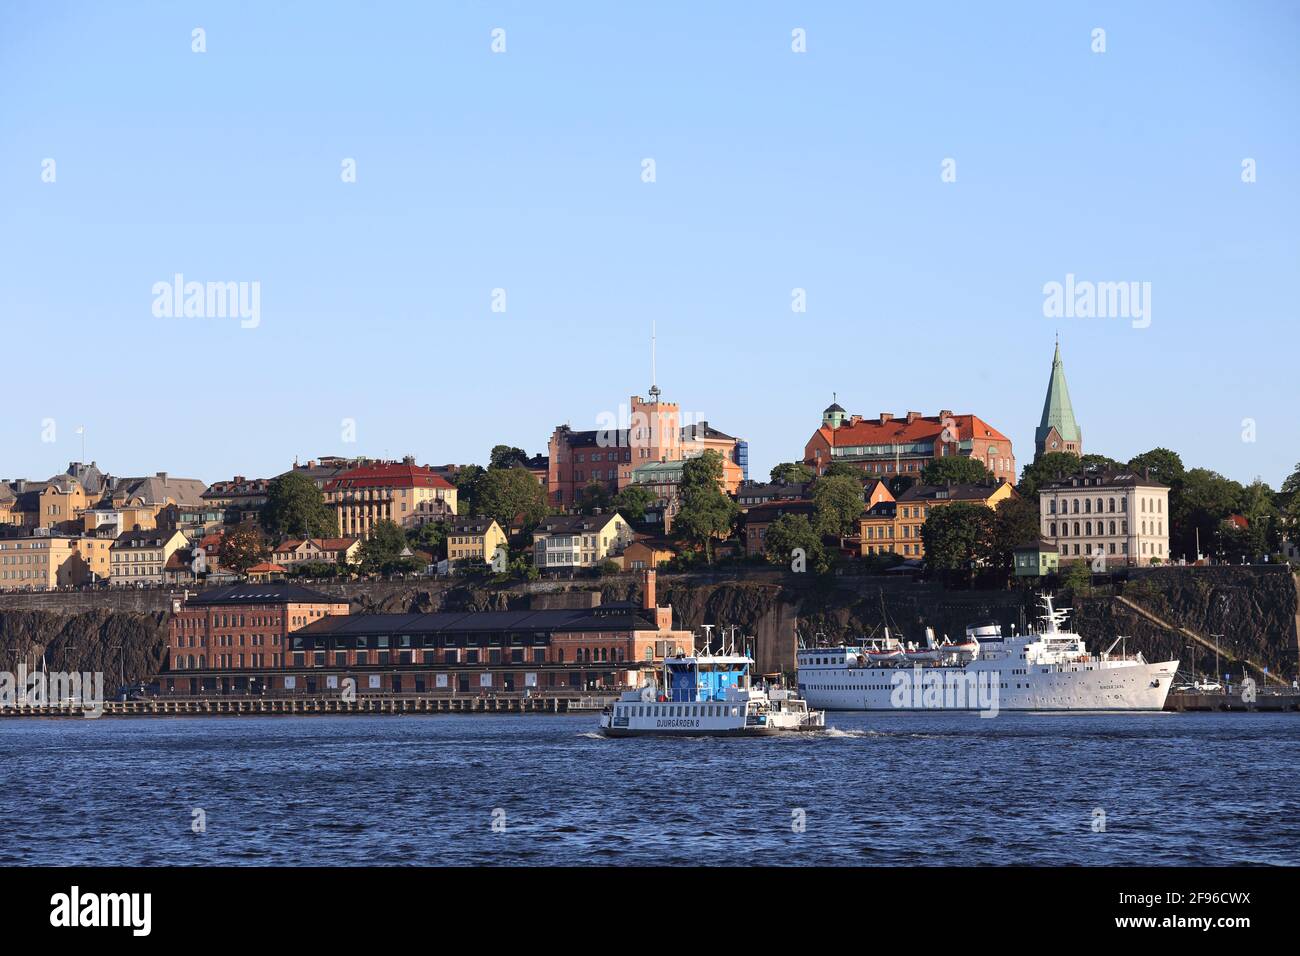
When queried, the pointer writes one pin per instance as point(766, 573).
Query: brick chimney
point(912, 416)
point(886, 417)
point(648, 590)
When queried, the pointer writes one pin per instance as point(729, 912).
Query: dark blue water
point(880, 789)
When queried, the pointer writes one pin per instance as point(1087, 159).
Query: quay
point(375, 705)
point(1265, 700)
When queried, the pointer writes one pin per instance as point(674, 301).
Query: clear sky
point(523, 171)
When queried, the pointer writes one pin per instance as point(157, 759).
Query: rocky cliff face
point(123, 645)
point(1255, 609)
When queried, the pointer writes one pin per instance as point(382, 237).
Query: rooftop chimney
point(912, 416)
point(946, 413)
point(648, 590)
point(886, 417)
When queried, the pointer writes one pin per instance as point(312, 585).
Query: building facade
point(293, 553)
point(887, 446)
point(1106, 518)
point(572, 543)
point(242, 626)
point(474, 539)
point(139, 558)
point(895, 527)
point(400, 492)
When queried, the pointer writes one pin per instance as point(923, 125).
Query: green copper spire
point(1058, 413)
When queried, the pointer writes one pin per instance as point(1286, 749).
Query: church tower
point(1058, 431)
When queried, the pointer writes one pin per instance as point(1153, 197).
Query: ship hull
point(1133, 688)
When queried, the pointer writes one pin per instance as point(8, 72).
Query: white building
point(1122, 516)
point(580, 541)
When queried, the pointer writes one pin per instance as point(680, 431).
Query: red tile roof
point(872, 431)
point(389, 475)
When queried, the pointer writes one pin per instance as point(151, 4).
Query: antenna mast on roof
point(654, 380)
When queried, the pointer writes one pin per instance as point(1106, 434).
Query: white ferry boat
point(708, 695)
point(1048, 669)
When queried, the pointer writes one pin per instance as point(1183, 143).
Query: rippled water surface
point(878, 789)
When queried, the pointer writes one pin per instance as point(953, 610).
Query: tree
point(430, 536)
point(707, 512)
point(958, 536)
point(957, 469)
point(1205, 498)
point(633, 501)
point(1161, 464)
point(506, 456)
point(790, 532)
point(507, 492)
point(295, 506)
point(468, 481)
point(1015, 522)
point(842, 469)
point(382, 549)
point(1078, 580)
point(1047, 468)
point(837, 504)
point(594, 495)
point(791, 473)
point(242, 547)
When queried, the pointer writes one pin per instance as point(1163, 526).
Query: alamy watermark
point(923, 689)
point(1085, 299)
point(179, 299)
point(79, 691)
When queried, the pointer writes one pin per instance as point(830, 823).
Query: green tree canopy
point(1163, 465)
point(430, 536)
point(837, 503)
point(594, 495)
point(633, 501)
point(295, 506)
point(707, 513)
point(1015, 522)
point(958, 536)
point(791, 473)
point(507, 492)
point(382, 549)
point(1053, 466)
point(789, 532)
point(843, 469)
point(242, 547)
point(957, 469)
point(468, 481)
point(506, 456)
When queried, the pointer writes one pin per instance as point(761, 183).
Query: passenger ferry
point(708, 695)
point(1048, 669)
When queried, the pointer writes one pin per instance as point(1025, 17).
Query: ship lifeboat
point(882, 656)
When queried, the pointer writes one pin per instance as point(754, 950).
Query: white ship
point(708, 695)
point(1049, 669)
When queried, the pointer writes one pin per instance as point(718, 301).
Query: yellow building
point(62, 500)
point(895, 526)
point(48, 560)
point(474, 539)
point(404, 493)
point(139, 557)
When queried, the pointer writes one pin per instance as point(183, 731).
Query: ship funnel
point(929, 637)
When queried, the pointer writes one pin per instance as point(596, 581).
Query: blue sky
point(522, 170)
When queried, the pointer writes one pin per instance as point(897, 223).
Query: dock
point(1265, 700)
point(300, 706)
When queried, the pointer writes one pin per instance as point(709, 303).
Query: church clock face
point(1053, 444)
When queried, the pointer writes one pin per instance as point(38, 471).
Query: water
point(881, 789)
